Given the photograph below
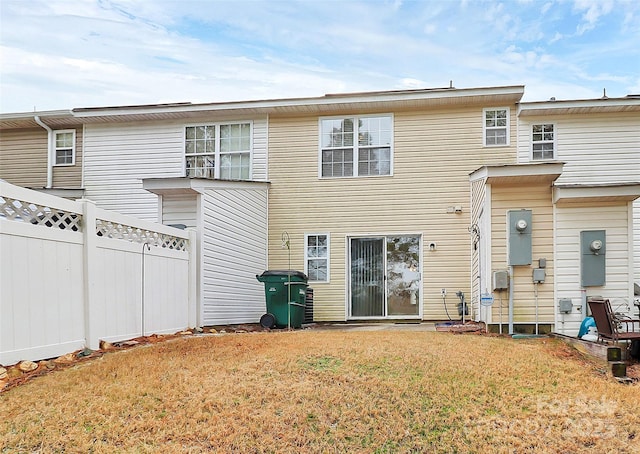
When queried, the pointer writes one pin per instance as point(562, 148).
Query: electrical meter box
point(593, 250)
point(519, 230)
point(500, 280)
point(565, 305)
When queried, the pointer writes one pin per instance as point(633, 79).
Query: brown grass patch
point(327, 391)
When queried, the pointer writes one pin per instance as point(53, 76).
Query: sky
point(63, 54)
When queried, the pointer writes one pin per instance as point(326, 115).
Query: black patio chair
point(612, 326)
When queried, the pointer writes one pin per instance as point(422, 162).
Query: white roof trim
point(185, 185)
point(327, 100)
point(551, 169)
point(631, 103)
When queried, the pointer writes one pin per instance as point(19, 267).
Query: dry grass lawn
point(327, 391)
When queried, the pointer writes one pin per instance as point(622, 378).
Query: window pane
point(374, 161)
point(337, 163)
point(234, 166)
point(317, 257)
point(64, 139)
point(376, 131)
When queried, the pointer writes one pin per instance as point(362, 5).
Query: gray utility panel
point(519, 230)
point(593, 248)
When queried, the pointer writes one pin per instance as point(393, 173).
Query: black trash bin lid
point(292, 273)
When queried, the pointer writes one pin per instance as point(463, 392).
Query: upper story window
point(65, 147)
point(316, 257)
point(496, 127)
point(356, 146)
point(543, 142)
point(229, 145)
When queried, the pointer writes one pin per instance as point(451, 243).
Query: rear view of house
point(398, 205)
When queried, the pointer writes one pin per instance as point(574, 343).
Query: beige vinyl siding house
point(536, 198)
point(24, 156)
point(385, 198)
point(523, 305)
point(424, 201)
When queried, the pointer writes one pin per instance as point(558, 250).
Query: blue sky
point(59, 54)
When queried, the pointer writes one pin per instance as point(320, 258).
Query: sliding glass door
point(385, 276)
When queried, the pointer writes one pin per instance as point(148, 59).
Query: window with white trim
point(496, 127)
point(543, 142)
point(229, 145)
point(316, 257)
point(356, 146)
point(64, 147)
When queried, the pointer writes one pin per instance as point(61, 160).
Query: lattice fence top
point(115, 230)
point(19, 210)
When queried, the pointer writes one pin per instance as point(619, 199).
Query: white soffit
point(521, 174)
point(577, 193)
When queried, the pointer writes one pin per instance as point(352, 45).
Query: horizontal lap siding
point(260, 137)
point(118, 157)
point(570, 221)
point(180, 209)
point(595, 148)
point(434, 152)
point(23, 157)
point(537, 199)
point(234, 242)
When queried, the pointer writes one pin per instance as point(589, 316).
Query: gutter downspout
point(49, 151)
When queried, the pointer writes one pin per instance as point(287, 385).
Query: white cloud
point(593, 10)
point(104, 52)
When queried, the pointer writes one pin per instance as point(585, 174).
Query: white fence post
point(194, 302)
point(89, 272)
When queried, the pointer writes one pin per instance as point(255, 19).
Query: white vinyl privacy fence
point(72, 274)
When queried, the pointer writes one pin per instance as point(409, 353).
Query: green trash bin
point(285, 292)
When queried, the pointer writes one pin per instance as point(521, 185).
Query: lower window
point(316, 257)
